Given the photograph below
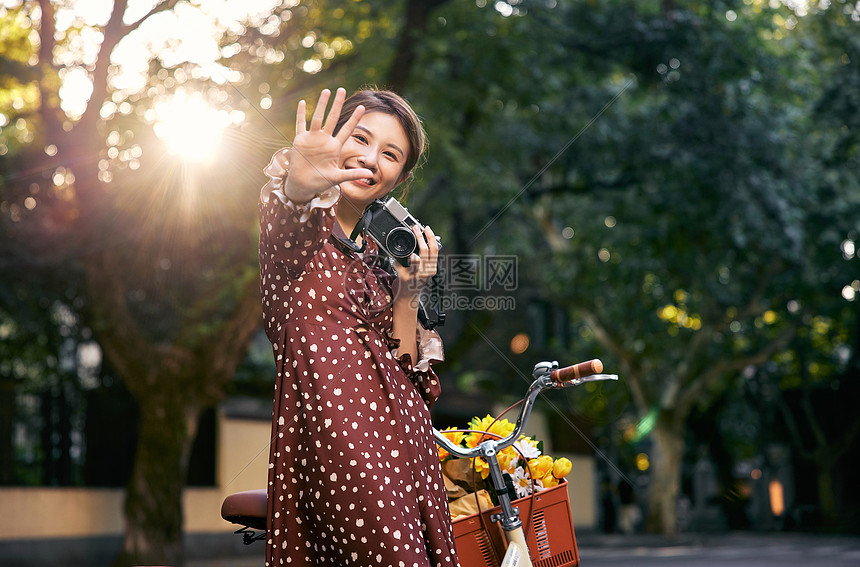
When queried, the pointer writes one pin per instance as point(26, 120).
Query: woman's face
point(378, 143)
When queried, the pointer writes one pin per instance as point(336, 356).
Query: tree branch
point(694, 352)
point(49, 110)
point(112, 35)
point(794, 432)
point(696, 387)
point(417, 13)
point(114, 32)
point(613, 345)
point(158, 8)
point(46, 34)
point(118, 325)
point(231, 341)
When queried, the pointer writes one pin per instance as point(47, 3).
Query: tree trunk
point(417, 13)
point(172, 383)
point(665, 478)
point(153, 502)
point(826, 493)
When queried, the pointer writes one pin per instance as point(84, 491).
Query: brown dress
point(354, 476)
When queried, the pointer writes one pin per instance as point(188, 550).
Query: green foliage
point(667, 142)
point(666, 173)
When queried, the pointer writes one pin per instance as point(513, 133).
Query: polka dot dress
point(354, 477)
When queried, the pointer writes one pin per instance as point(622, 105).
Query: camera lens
point(400, 242)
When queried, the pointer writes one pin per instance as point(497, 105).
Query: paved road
point(735, 549)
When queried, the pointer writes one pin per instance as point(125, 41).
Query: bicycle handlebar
point(577, 371)
point(547, 376)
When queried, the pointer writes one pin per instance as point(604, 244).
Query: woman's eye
point(360, 138)
point(391, 155)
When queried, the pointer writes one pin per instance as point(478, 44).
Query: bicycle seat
point(248, 508)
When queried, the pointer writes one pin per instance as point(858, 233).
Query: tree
point(822, 361)
point(169, 271)
point(644, 164)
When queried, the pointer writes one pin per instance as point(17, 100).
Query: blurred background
point(670, 186)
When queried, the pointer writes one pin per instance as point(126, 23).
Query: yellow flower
point(541, 466)
point(456, 437)
point(561, 467)
point(481, 466)
point(549, 481)
point(500, 428)
point(508, 459)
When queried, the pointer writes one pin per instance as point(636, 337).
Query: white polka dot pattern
point(354, 477)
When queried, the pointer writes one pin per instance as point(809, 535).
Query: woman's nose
point(368, 160)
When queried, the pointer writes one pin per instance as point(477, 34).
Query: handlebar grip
point(577, 371)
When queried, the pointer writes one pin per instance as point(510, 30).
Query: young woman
point(354, 477)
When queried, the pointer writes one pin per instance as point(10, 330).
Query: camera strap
point(359, 229)
point(362, 225)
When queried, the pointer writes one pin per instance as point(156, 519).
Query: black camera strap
point(360, 227)
point(356, 232)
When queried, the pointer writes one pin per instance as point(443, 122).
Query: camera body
point(389, 224)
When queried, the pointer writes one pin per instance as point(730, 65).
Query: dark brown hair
point(389, 102)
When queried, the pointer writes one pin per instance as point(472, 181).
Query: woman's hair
point(391, 103)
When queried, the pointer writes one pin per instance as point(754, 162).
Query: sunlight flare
point(189, 126)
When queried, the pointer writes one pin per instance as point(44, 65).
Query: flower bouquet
point(529, 469)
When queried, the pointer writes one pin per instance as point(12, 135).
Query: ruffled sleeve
point(421, 373)
point(292, 233)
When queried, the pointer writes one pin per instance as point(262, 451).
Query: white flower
point(527, 448)
point(522, 484)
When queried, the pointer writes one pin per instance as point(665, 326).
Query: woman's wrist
point(301, 195)
point(404, 325)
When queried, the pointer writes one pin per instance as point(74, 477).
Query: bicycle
point(249, 508)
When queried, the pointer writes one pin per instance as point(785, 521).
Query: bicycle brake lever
point(543, 369)
point(592, 378)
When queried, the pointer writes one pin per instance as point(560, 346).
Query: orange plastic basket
point(550, 536)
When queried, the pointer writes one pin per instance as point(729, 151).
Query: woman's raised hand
point(315, 155)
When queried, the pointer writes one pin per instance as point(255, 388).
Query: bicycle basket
point(550, 535)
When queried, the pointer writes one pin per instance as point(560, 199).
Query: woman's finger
point(301, 119)
point(433, 242)
point(344, 175)
point(350, 124)
point(423, 251)
point(334, 113)
point(319, 111)
point(427, 257)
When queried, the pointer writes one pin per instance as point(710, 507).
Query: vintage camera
point(389, 224)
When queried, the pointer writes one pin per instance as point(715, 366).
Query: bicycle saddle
point(248, 508)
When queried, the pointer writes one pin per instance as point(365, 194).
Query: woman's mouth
point(367, 181)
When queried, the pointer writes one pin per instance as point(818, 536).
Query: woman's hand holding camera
point(422, 267)
point(315, 156)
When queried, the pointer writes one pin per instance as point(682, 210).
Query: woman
point(354, 477)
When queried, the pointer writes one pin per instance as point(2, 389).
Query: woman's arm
point(407, 293)
point(404, 327)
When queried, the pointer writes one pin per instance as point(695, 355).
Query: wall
point(47, 512)
point(66, 515)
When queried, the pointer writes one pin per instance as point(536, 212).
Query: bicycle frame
point(547, 376)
